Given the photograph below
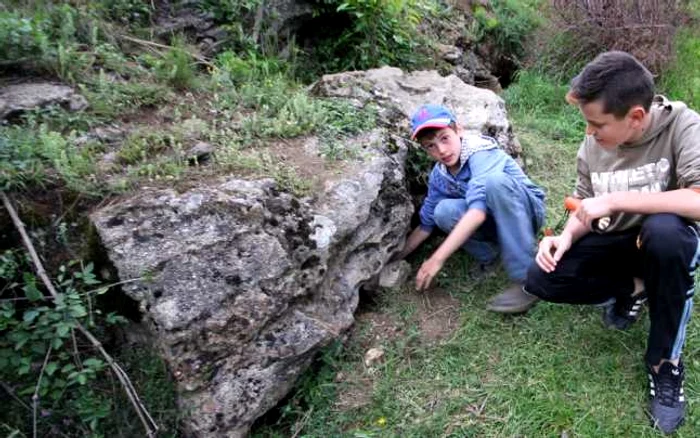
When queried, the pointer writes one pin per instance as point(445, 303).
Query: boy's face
point(443, 145)
point(608, 130)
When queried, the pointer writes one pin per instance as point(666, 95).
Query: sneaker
point(624, 311)
point(512, 300)
point(667, 402)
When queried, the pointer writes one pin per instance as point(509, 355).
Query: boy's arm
point(417, 236)
point(466, 226)
point(683, 202)
point(552, 248)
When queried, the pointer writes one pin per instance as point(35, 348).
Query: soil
point(437, 318)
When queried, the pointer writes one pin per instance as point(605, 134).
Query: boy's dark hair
point(430, 132)
point(616, 78)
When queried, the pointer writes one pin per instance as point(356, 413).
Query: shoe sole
point(511, 309)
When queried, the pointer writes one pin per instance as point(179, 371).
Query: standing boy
point(479, 196)
point(639, 166)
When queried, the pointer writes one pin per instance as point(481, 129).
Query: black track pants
point(601, 266)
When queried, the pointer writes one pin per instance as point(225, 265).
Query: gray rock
point(241, 284)
point(399, 94)
point(200, 152)
point(15, 99)
point(394, 275)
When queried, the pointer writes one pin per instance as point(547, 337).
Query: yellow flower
point(381, 421)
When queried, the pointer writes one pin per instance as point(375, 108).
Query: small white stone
point(373, 355)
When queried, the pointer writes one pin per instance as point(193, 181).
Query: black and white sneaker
point(624, 311)
point(667, 402)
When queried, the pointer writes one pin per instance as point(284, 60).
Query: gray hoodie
point(667, 157)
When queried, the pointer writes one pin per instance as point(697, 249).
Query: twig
point(35, 397)
point(76, 355)
point(199, 58)
point(148, 423)
point(14, 396)
point(299, 426)
point(92, 291)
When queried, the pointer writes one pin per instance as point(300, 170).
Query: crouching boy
point(639, 167)
point(481, 198)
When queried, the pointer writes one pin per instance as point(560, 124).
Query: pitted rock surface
point(241, 283)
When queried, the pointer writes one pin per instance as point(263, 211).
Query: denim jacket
point(480, 157)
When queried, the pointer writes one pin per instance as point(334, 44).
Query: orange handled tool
point(572, 204)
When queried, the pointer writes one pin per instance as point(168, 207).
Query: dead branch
point(148, 423)
point(199, 58)
point(35, 397)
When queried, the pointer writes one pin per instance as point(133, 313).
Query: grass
point(681, 81)
point(555, 372)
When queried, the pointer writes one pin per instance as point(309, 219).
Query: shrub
point(38, 349)
point(509, 26)
point(362, 34)
point(48, 39)
point(580, 29)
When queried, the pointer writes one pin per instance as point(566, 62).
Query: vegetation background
point(450, 369)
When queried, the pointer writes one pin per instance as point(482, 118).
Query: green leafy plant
point(368, 34)
point(39, 353)
point(177, 67)
point(35, 156)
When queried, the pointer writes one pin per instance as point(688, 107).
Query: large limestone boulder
point(240, 283)
point(399, 94)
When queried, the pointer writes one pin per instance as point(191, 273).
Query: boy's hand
point(594, 208)
point(551, 250)
point(427, 272)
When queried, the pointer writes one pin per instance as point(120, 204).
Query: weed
point(176, 67)
point(144, 144)
point(109, 98)
point(35, 333)
point(37, 156)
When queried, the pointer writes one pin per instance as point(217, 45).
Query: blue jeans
point(512, 220)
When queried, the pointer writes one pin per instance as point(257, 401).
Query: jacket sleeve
point(584, 188)
point(482, 164)
point(687, 152)
point(427, 210)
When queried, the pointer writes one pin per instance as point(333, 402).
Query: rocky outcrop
point(18, 98)
point(399, 94)
point(240, 283)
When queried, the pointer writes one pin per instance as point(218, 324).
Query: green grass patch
point(682, 80)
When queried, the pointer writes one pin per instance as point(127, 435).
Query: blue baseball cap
point(430, 116)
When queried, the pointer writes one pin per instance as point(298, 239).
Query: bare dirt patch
point(437, 314)
point(437, 317)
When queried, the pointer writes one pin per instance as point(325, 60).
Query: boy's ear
point(637, 114)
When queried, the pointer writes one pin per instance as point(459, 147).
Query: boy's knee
point(536, 282)
point(447, 214)
point(662, 233)
point(547, 287)
point(496, 182)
